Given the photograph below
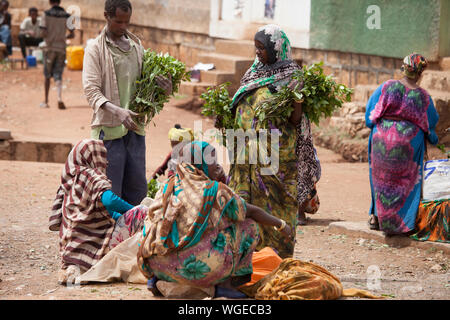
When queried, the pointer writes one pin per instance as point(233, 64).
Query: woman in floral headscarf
point(276, 193)
point(401, 116)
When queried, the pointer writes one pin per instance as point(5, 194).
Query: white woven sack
point(436, 180)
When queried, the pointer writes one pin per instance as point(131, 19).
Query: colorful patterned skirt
point(396, 150)
point(128, 225)
point(433, 221)
point(276, 192)
point(220, 255)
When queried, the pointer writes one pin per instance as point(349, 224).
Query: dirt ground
point(29, 251)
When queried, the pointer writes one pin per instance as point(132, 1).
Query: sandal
point(373, 223)
point(61, 105)
point(151, 286)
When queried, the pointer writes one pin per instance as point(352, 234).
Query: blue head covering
point(198, 149)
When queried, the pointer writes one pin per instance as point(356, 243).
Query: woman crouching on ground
point(198, 232)
point(90, 218)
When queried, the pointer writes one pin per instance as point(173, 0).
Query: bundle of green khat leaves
point(218, 104)
point(320, 96)
point(149, 98)
point(153, 188)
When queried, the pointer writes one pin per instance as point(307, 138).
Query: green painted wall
point(444, 42)
point(406, 26)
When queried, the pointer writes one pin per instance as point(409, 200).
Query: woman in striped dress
point(90, 218)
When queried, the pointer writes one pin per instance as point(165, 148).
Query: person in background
point(30, 31)
point(178, 137)
point(90, 218)
point(112, 64)
point(402, 118)
point(5, 26)
point(54, 31)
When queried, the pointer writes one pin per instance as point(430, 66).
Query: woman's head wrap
point(201, 155)
point(278, 73)
point(414, 65)
point(275, 41)
point(178, 134)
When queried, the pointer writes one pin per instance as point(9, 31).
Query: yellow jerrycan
point(74, 56)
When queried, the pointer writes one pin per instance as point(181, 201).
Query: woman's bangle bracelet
point(281, 228)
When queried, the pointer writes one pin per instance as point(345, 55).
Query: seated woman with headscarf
point(198, 232)
point(401, 116)
point(90, 218)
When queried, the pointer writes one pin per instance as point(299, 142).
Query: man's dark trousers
point(126, 167)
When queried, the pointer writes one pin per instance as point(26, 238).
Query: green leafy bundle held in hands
point(218, 104)
point(149, 98)
point(321, 96)
point(153, 188)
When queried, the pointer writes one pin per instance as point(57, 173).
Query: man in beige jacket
point(112, 64)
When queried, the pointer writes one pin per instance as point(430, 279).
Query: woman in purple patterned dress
point(402, 117)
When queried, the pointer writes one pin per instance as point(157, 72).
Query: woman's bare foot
point(301, 218)
point(373, 223)
point(69, 275)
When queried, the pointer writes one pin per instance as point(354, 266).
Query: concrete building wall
point(187, 15)
point(335, 25)
point(178, 27)
point(444, 36)
point(346, 49)
point(381, 27)
point(231, 19)
point(288, 13)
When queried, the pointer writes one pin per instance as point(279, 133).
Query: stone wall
point(34, 151)
point(353, 69)
point(349, 68)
